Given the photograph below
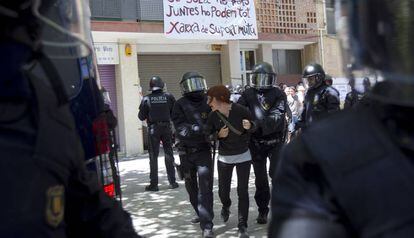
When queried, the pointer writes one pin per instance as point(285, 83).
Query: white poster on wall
point(106, 53)
point(210, 19)
point(341, 84)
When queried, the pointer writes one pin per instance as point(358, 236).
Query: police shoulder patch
point(265, 106)
point(55, 205)
point(316, 100)
point(204, 115)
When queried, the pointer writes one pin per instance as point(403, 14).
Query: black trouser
point(260, 152)
point(161, 132)
point(201, 193)
point(225, 172)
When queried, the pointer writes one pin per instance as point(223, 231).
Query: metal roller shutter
point(172, 67)
point(107, 76)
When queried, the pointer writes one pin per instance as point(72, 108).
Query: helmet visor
point(194, 84)
point(311, 81)
point(262, 80)
point(67, 31)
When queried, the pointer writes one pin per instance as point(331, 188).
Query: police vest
point(316, 104)
point(265, 110)
point(37, 180)
point(371, 178)
point(195, 113)
point(160, 106)
point(355, 97)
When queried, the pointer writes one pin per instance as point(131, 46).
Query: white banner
point(210, 19)
point(106, 53)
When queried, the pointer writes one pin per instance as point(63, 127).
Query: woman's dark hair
point(220, 93)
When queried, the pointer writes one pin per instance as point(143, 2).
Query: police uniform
point(267, 103)
point(319, 102)
point(190, 117)
point(350, 175)
point(360, 186)
point(156, 108)
point(47, 190)
point(268, 108)
point(352, 98)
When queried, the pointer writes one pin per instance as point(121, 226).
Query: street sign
point(106, 53)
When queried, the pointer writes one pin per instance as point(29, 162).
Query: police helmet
point(193, 82)
point(229, 87)
point(377, 35)
point(238, 89)
point(60, 29)
point(263, 76)
point(313, 75)
point(57, 32)
point(156, 83)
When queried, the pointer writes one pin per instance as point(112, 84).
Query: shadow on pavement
point(167, 213)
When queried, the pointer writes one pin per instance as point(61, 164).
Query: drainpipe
point(322, 48)
point(321, 31)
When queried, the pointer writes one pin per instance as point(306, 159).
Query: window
point(105, 8)
point(287, 61)
point(247, 62)
point(330, 17)
point(330, 3)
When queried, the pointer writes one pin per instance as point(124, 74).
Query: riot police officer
point(239, 89)
point(49, 191)
point(351, 175)
point(156, 109)
point(357, 92)
point(267, 103)
point(229, 87)
point(320, 99)
point(190, 117)
point(329, 82)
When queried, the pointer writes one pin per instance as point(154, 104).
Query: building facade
point(131, 47)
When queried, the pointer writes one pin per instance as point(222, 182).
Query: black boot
point(243, 232)
point(208, 233)
point(151, 187)
point(225, 213)
point(195, 219)
point(262, 218)
point(174, 185)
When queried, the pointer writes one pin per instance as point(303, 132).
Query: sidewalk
point(167, 213)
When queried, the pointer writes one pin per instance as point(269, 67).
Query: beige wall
point(225, 64)
point(264, 53)
point(130, 128)
point(333, 58)
point(230, 63)
point(311, 54)
point(330, 48)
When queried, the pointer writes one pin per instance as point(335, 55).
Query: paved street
point(167, 213)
